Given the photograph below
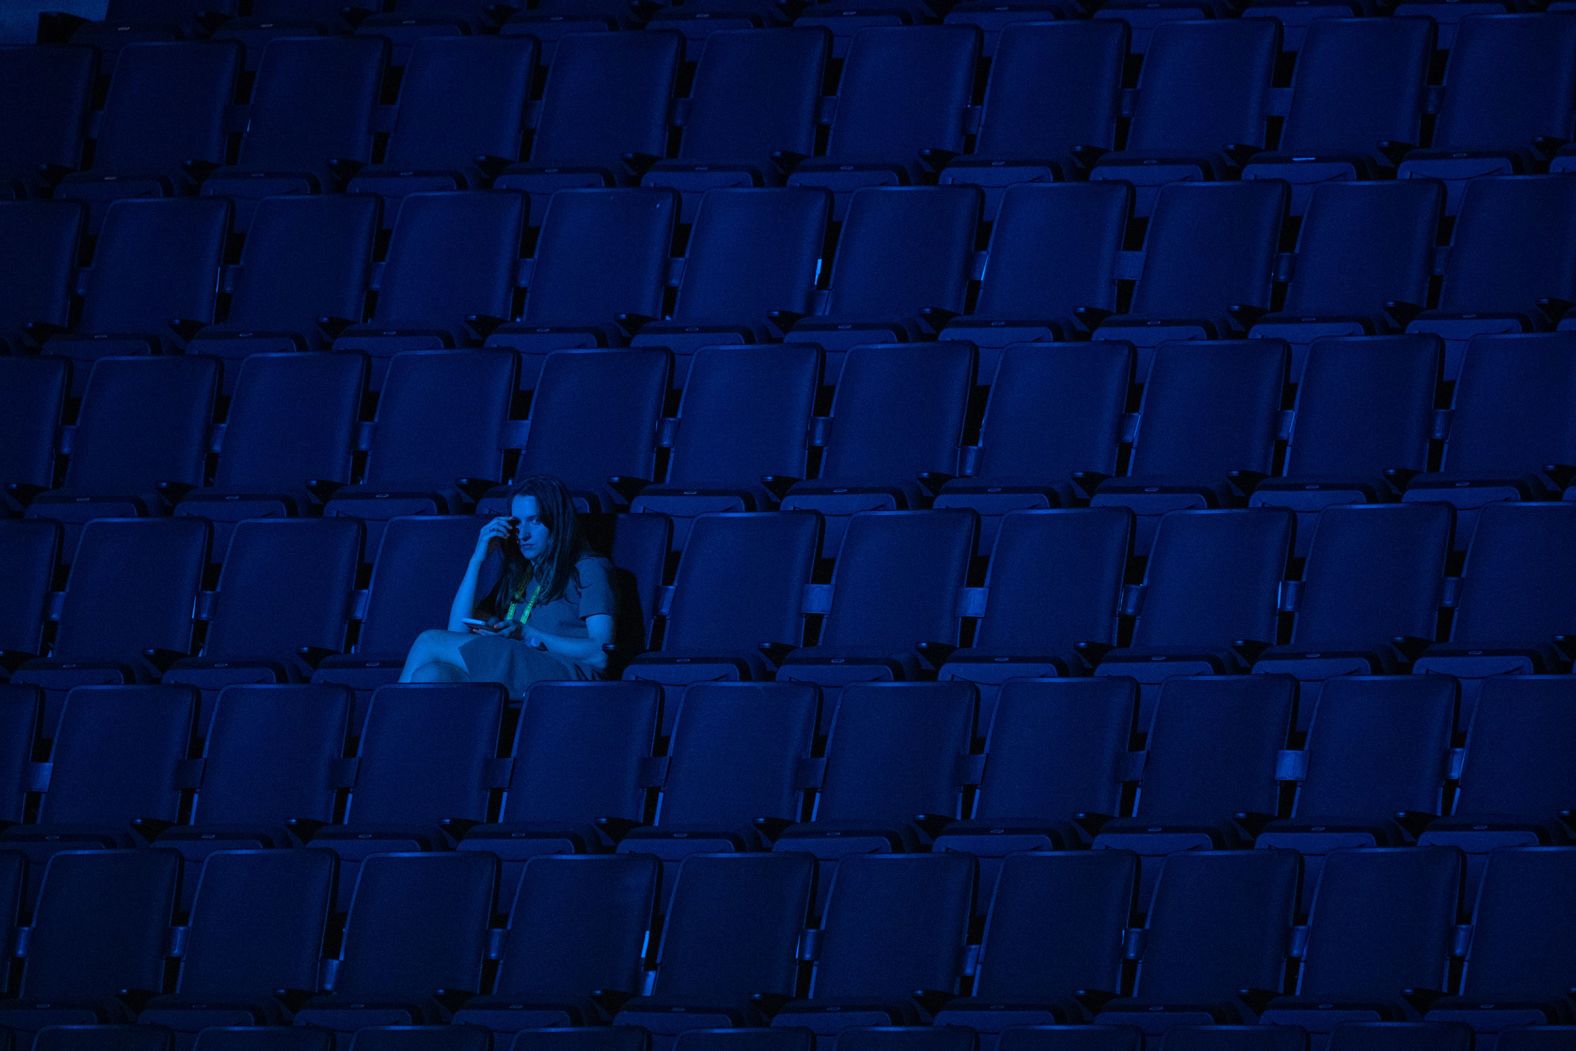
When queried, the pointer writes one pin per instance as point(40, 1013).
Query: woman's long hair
point(565, 545)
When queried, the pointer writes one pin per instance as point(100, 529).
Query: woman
point(549, 616)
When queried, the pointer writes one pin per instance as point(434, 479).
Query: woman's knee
point(437, 671)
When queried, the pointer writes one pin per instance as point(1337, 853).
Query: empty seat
point(1508, 88)
point(1209, 769)
point(894, 592)
point(749, 270)
point(736, 1039)
point(587, 1038)
point(1051, 265)
point(1212, 581)
point(906, 1038)
point(1400, 1036)
point(1510, 251)
point(1203, 91)
point(576, 926)
point(900, 107)
point(1074, 900)
point(32, 397)
point(389, 969)
point(1206, 430)
point(48, 93)
point(153, 282)
point(163, 124)
point(461, 111)
point(451, 256)
point(1374, 770)
point(27, 558)
point(120, 902)
point(893, 773)
point(564, 800)
point(264, 1038)
point(37, 264)
point(1210, 249)
point(604, 116)
point(893, 924)
point(1051, 102)
point(1359, 89)
point(1382, 923)
point(1057, 753)
point(902, 268)
point(306, 258)
point(1363, 262)
point(104, 1038)
point(731, 937)
point(285, 585)
point(310, 120)
point(1234, 1038)
point(1219, 923)
point(441, 418)
point(601, 266)
point(1072, 1038)
point(421, 1038)
point(19, 711)
point(1538, 1038)
point(896, 420)
point(132, 588)
point(751, 110)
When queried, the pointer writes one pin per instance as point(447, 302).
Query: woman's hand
point(497, 626)
point(497, 531)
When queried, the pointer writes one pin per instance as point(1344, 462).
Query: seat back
point(166, 105)
point(580, 752)
point(134, 582)
point(1213, 747)
point(1213, 578)
point(1055, 409)
point(156, 260)
point(425, 752)
point(462, 97)
point(745, 415)
point(1521, 726)
point(601, 253)
point(896, 580)
point(752, 252)
point(143, 421)
point(1511, 79)
point(1054, 246)
point(117, 755)
point(293, 418)
point(442, 417)
point(47, 95)
point(27, 562)
point(313, 101)
point(1511, 246)
point(904, 250)
point(1364, 405)
point(1053, 88)
point(32, 395)
point(1363, 245)
point(894, 749)
point(741, 582)
point(19, 711)
point(903, 90)
point(412, 585)
point(1205, 84)
point(1510, 402)
point(305, 258)
point(1377, 747)
point(1524, 900)
point(1374, 572)
point(756, 92)
point(1042, 603)
point(607, 95)
point(1210, 408)
point(38, 258)
point(270, 754)
point(451, 255)
point(1211, 246)
point(1359, 82)
point(899, 411)
point(1520, 569)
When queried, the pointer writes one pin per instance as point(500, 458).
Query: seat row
point(735, 931)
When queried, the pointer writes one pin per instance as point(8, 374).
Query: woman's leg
point(436, 671)
point(439, 647)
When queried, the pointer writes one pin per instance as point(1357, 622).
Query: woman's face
point(533, 531)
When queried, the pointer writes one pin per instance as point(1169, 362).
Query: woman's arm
point(586, 651)
point(464, 604)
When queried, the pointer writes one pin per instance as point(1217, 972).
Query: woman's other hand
point(496, 531)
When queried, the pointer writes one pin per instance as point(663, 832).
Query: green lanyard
point(530, 604)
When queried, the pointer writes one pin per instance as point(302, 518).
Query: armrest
point(456, 827)
point(769, 1003)
point(1090, 821)
point(1548, 145)
point(610, 1000)
point(936, 318)
point(479, 326)
point(302, 829)
point(333, 327)
point(197, 168)
point(1399, 477)
point(37, 333)
point(148, 828)
point(1413, 821)
point(1090, 651)
point(1093, 999)
point(1422, 999)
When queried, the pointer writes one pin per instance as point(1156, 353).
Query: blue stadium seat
point(292, 421)
point(133, 585)
point(570, 800)
point(894, 770)
point(1374, 768)
point(638, 547)
point(256, 926)
point(48, 93)
point(1359, 90)
point(1053, 421)
point(750, 269)
point(1211, 582)
point(119, 902)
point(1051, 103)
point(1361, 428)
point(1364, 258)
point(152, 285)
point(1072, 1038)
point(901, 270)
point(900, 110)
point(1052, 261)
point(451, 257)
point(1374, 575)
point(742, 1039)
point(893, 607)
point(264, 1038)
point(20, 707)
point(1400, 1036)
point(894, 924)
point(733, 771)
point(422, 1037)
point(588, 1038)
point(1203, 96)
point(1508, 432)
point(281, 18)
point(1507, 255)
point(1538, 1038)
point(600, 268)
point(1056, 755)
point(1508, 89)
point(896, 425)
point(306, 259)
point(163, 123)
point(285, 585)
point(744, 415)
point(1382, 923)
point(1075, 900)
point(1210, 250)
point(730, 940)
point(461, 110)
point(389, 968)
point(1234, 1038)
point(140, 1037)
point(1219, 923)
point(1206, 430)
point(32, 399)
point(750, 112)
point(1209, 775)
point(442, 417)
point(27, 559)
point(38, 261)
point(412, 589)
point(1041, 605)
point(604, 115)
point(310, 120)
point(906, 1038)
point(577, 927)
point(1512, 792)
